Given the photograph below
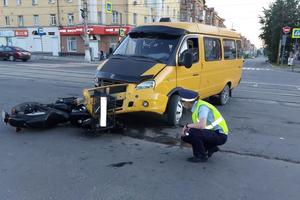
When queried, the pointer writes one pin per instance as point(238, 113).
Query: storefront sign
point(21, 33)
point(108, 7)
point(5, 33)
point(94, 30)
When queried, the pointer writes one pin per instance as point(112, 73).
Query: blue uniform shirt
point(205, 112)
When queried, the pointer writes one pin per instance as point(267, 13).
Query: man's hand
point(184, 130)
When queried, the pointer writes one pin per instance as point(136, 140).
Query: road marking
point(257, 69)
point(270, 93)
point(272, 84)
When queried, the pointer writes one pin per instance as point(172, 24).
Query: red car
point(14, 53)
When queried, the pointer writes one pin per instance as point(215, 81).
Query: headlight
point(96, 81)
point(145, 85)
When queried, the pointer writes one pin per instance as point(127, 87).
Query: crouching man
point(208, 130)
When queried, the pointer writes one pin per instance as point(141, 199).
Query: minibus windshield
point(158, 47)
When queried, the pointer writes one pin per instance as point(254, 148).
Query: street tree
point(279, 14)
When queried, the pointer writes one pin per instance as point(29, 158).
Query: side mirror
point(187, 60)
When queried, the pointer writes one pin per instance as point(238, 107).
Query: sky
point(242, 15)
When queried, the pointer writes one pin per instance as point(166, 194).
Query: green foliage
point(279, 14)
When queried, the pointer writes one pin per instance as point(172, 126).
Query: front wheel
point(174, 110)
point(12, 58)
point(224, 96)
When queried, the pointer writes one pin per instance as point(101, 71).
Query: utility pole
point(87, 56)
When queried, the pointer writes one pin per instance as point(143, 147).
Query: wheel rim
point(11, 58)
point(179, 110)
point(225, 95)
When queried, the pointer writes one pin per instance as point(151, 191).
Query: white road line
point(257, 69)
point(272, 84)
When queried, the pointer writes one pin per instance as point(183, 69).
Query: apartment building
point(22, 20)
point(57, 25)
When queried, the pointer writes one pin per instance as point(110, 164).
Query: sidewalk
point(294, 68)
point(69, 58)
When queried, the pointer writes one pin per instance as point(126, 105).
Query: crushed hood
point(128, 69)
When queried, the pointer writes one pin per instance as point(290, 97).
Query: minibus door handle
point(195, 74)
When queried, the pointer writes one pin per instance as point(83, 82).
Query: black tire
point(174, 110)
point(24, 60)
point(224, 96)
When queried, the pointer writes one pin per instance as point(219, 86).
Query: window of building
point(145, 20)
point(134, 19)
point(239, 49)
point(20, 20)
point(19, 2)
point(5, 2)
point(115, 17)
point(72, 44)
point(51, 1)
point(34, 2)
point(229, 49)
point(121, 18)
point(168, 11)
point(212, 48)
point(69, 1)
point(7, 21)
point(70, 19)
point(189, 45)
point(36, 20)
point(52, 19)
point(100, 18)
point(174, 13)
point(163, 5)
point(145, 2)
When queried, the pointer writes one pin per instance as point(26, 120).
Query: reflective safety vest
point(219, 120)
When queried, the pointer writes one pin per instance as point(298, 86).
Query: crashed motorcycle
point(95, 112)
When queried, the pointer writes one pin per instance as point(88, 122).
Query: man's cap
point(188, 95)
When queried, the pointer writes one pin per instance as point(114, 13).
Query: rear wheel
point(174, 110)
point(24, 60)
point(11, 58)
point(224, 96)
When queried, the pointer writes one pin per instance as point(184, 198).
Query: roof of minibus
point(198, 28)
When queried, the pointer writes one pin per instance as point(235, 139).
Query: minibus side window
point(212, 48)
point(229, 49)
point(190, 45)
point(239, 49)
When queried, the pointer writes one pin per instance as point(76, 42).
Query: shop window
point(229, 49)
point(239, 49)
point(212, 48)
point(72, 44)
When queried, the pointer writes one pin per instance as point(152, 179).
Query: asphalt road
point(259, 161)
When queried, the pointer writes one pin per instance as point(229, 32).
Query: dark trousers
point(203, 140)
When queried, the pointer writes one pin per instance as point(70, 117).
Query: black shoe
point(197, 160)
point(211, 151)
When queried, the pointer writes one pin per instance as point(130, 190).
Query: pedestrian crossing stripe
point(257, 69)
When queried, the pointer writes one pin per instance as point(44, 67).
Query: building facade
point(56, 26)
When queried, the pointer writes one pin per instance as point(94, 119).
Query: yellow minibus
point(155, 60)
